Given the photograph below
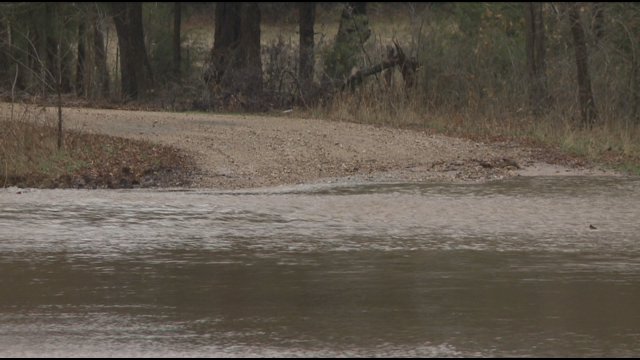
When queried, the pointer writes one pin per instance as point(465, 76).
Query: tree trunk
point(635, 87)
point(18, 58)
point(307, 17)
point(598, 20)
point(248, 51)
point(177, 19)
point(536, 62)
point(587, 104)
point(235, 67)
point(59, 76)
point(51, 50)
point(57, 55)
point(353, 32)
point(4, 51)
point(20, 66)
point(34, 69)
point(133, 55)
point(358, 8)
point(80, 64)
point(100, 58)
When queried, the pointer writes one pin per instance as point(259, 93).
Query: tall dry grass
point(473, 81)
point(28, 145)
point(29, 155)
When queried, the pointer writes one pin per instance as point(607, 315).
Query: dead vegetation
point(455, 69)
point(29, 157)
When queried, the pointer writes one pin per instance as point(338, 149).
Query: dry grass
point(472, 85)
point(611, 142)
point(29, 157)
point(475, 85)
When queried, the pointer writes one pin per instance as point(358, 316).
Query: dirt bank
point(237, 151)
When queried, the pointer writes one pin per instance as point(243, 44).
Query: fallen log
point(408, 68)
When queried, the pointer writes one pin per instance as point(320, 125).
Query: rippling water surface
point(509, 268)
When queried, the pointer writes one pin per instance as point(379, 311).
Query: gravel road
point(242, 151)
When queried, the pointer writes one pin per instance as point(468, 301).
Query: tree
point(92, 79)
point(177, 19)
point(235, 67)
point(635, 87)
point(80, 64)
point(58, 31)
point(18, 50)
point(4, 50)
point(598, 20)
point(135, 70)
point(307, 17)
point(353, 32)
point(587, 103)
point(99, 56)
point(536, 62)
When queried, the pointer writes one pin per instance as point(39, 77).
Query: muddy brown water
point(508, 268)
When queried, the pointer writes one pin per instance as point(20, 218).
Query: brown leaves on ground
point(92, 161)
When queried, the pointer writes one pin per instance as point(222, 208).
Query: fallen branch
point(407, 67)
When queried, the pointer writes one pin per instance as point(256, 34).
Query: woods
point(319, 179)
point(233, 66)
point(547, 71)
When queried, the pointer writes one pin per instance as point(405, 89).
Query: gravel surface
point(242, 151)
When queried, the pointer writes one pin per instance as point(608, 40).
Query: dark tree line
point(64, 44)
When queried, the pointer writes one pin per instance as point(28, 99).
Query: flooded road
point(530, 266)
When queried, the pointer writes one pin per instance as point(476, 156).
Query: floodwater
point(508, 268)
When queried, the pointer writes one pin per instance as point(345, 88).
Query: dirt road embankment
point(237, 151)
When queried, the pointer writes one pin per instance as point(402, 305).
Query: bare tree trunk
point(587, 104)
point(133, 55)
point(18, 65)
point(307, 17)
point(227, 32)
point(248, 52)
point(55, 59)
point(59, 90)
point(536, 62)
point(50, 43)
point(227, 29)
point(598, 20)
point(353, 32)
point(635, 87)
point(4, 51)
point(177, 19)
point(235, 66)
point(100, 58)
point(358, 7)
point(33, 71)
point(80, 64)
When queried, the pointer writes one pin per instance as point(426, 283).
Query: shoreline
point(253, 151)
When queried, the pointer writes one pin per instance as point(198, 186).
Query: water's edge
point(530, 266)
